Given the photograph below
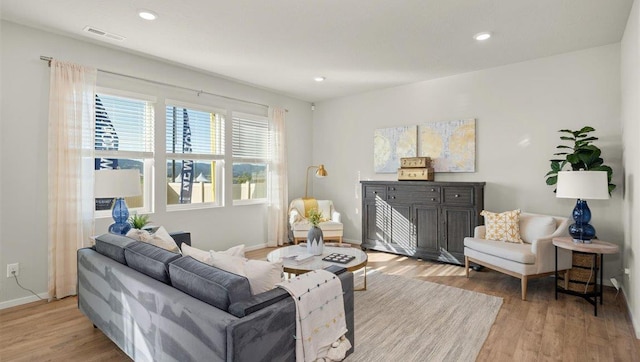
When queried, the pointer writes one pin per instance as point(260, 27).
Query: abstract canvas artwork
point(390, 144)
point(451, 145)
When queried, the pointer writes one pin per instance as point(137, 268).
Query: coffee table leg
point(365, 281)
point(365, 277)
point(556, 281)
point(601, 277)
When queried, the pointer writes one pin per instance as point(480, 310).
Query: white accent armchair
point(299, 226)
point(534, 258)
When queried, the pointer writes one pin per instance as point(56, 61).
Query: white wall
point(630, 76)
point(23, 150)
point(519, 108)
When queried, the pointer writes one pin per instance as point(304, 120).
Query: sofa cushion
point(533, 227)
point(112, 246)
point(207, 283)
point(504, 226)
point(150, 260)
point(520, 253)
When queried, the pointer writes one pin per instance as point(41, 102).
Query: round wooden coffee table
point(291, 266)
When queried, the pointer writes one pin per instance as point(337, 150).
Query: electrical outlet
point(15, 267)
point(614, 281)
point(627, 271)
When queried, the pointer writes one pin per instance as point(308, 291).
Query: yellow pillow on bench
point(504, 226)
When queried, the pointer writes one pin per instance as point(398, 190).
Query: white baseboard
point(635, 324)
point(255, 247)
point(352, 241)
point(24, 300)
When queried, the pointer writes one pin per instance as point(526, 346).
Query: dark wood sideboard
point(422, 219)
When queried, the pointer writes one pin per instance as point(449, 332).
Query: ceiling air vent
point(102, 33)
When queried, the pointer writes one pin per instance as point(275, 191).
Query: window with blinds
point(251, 153)
point(124, 140)
point(195, 146)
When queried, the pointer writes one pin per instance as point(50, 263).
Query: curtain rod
point(197, 91)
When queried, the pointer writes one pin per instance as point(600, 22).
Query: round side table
point(596, 248)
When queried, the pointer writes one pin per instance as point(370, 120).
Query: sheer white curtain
point(278, 191)
point(71, 201)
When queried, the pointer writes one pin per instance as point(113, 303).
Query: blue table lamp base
point(581, 231)
point(120, 215)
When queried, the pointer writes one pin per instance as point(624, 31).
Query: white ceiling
point(358, 45)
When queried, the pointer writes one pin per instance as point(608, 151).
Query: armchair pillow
point(324, 207)
point(504, 226)
point(535, 227)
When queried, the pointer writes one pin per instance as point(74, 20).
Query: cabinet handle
point(393, 197)
point(432, 190)
point(393, 189)
point(456, 195)
point(375, 192)
point(433, 199)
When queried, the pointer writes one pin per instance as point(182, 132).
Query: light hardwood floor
point(540, 329)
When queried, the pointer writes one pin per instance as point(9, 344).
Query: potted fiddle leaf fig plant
point(315, 244)
point(579, 154)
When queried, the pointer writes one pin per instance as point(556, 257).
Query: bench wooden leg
point(466, 265)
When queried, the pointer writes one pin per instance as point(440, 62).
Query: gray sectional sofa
point(160, 306)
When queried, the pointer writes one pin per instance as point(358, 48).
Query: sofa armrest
point(257, 302)
point(545, 251)
point(266, 335)
point(479, 232)
point(272, 330)
point(263, 300)
point(181, 237)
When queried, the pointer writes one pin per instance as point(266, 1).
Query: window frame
point(219, 158)
point(266, 161)
point(147, 157)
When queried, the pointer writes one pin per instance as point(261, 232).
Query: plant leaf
point(552, 180)
point(586, 129)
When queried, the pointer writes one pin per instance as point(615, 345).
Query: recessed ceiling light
point(147, 14)
point(482, 36)
point(319, 79)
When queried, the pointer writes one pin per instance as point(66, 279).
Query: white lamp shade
point(583, 185)
point(117, 183)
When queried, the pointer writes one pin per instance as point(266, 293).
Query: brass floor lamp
point(320, 172)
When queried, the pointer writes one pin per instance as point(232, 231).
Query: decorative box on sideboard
point(422, 219)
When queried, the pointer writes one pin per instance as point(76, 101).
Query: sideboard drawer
point(371, 192)
point(414, 193)
point(458, 195)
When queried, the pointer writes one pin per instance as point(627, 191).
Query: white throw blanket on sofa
point(320, 319)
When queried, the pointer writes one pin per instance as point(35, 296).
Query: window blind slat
point(207, 131)
point(250, 138)
point(123, 124)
